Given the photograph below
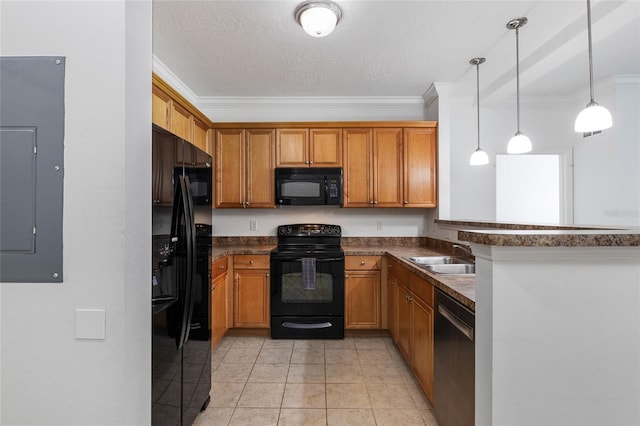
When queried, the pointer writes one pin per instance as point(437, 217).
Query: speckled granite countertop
point(553, 238)
point(460, 287)
point(533, 235)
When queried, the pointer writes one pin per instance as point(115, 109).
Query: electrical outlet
point(253, 225)
point(379, 225)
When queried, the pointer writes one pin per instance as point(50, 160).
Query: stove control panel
point(315, 230)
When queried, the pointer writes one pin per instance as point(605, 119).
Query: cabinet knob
point(221, 266)
point(370, 202)
point(362, 263)
point(267, 275)
point(346, 276)
point(406, 202)
point(251, 262)
point(375, 202)
point(310, 162)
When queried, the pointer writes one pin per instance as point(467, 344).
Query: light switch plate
point(90, 324)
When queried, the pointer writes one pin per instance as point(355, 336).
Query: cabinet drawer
point(220, 267)
point(244, 261)
point(362, 263)
point(398, 271)
point(422, 288)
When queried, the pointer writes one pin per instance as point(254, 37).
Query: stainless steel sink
point(434, 260)
point(452, 269)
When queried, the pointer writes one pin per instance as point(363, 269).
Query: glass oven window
point(294, 291)
point(301, 189)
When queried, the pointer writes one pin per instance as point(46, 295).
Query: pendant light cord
point(478, 98)
point(518, 81)
point(590, 50)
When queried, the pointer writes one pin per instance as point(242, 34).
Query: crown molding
point(311, 101)
point(162, 71)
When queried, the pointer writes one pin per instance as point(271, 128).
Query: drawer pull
point(362, 263)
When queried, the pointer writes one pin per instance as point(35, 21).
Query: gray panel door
point(31, 168)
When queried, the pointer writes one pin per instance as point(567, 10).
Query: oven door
point(293, 296)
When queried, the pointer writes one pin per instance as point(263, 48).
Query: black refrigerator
point(181, 276)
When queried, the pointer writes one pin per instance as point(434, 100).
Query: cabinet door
point(387, 167)
point(325, 147)
point(162, 163)
point(260, 190)
point(422, 344)
point(219, 309)
point(358, 173)
point(362, 300)
point(404, 322)
point(201, 135)
point(181, 122)
point(160, 108)
point(229, 160)
point(251, 298)
point(419, 168)
point(292, 148)
point(392, 306)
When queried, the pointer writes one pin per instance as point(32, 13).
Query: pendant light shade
point(479, 157)
point(594, 117)
point(318, 18)
point(519, 143)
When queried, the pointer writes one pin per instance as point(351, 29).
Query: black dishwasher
point(454, 363)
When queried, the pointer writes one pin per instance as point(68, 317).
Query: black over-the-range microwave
point(308, 186)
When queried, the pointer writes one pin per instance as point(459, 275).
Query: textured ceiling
point(391, 48)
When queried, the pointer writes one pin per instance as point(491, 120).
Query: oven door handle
point(289, 324)
point(318, 259)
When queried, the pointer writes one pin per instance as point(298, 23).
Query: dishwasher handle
point(457, 322)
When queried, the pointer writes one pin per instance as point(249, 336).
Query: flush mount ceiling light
point(519, 143)
point(318, 18)
point(479, 157)
point(594, 117)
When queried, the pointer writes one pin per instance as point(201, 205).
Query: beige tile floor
point(355, 381)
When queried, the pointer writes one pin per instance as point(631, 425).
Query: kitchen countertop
point(460, 287)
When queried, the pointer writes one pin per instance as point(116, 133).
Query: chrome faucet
point(464, 249)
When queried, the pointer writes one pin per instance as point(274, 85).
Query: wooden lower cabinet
point(422, 344)
point(411, 304)
point(362, 292)
point(403, 338)
point(251, 291)
point(219, 324)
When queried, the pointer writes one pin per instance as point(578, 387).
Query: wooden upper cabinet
point(358, 173)
point(201, 135)
point(229, 168)
point(292, 148)
point(259, 172)
point(325, 147)
point(160, 108)
point(309, 147)
point(387, 167)
point(420, 167)
point(174, 113)
point(181, 122)
point(244, 164)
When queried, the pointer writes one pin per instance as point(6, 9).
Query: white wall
point(47, 375)
point(607, 166)
point(354, 222)
point(473, 188)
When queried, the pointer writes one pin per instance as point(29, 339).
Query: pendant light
point(594, 117)
point(318, 18)
point(479, 157)
point(519, 143)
